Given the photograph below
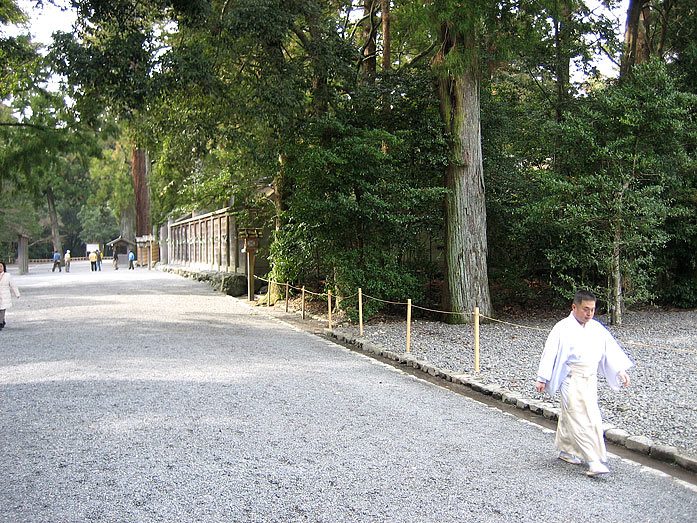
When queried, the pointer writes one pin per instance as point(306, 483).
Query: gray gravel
point(141, 396)
point(661, 402)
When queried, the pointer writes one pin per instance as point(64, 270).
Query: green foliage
point(20, 63)
point(98, 224)
point(111, 181)
point(365, 202)
point(47, 149)
point(518, 137)
point(622, 158)
point(17, 216)
point(108, 61)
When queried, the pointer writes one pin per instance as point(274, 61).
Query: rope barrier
point(622, 342)
point(515, 324)
point(443, 312)
point(291, 286)
point(385, 301)
point(495, 320)
point(653, 347)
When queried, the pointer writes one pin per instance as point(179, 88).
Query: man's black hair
point(583, 295)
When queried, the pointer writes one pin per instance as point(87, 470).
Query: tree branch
point(419, 56)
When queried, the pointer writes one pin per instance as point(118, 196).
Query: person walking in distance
point(99, 259)
point(576, 350)
point(67, 259)
point(93, 261)
point(131, 259)
point(56, 261)
point(115, 260)
point(7, 289)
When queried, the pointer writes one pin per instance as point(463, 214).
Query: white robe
point(7, 288)
point(573, 357)
point(570, 342)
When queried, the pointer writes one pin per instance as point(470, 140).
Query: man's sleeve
point(614, 361)
point(549, 356)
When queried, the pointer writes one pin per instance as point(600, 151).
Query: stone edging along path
point(636, 443)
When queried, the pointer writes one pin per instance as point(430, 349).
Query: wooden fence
point(207, 241)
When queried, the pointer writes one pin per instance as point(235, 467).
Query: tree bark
point(386, 36)
point(617, 297)
point(127, 223)
point(634, 37)
point(53, 217)
point(141, 189)
point(563, 66)
point(617, 301)
point(368, 67)
point(466, 243)
point(274, 292)
point(313, 47)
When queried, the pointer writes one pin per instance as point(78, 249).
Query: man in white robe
point(578, 349)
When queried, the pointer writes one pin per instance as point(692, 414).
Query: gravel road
point(142, 396)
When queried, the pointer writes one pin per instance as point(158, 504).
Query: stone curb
point(635, 443)
point(230, 283)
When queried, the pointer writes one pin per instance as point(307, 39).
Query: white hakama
point(579, 430)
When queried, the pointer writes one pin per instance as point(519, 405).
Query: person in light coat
point(7, 288)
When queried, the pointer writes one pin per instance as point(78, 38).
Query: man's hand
point(624, 378)
point(540, 386)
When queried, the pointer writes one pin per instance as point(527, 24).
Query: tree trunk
point(634, 37)
point(275, 291)
point(53, 217)
point(616, 294)
point(617, 302)
point(127, 223)
point(466, 244)
point(141, 189)
point(562, 42)
point(386, 36)
point(368, 67)
point(320, 82)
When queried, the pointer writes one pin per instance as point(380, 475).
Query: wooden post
point(476, 339)
point(268, 293)
point(329, 305)
point(302, 304)
point(409, 325)
point(250, 275)
point(287, 286)
point(360, 311)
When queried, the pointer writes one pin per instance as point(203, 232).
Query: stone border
point(640, 444)
point(230, 283)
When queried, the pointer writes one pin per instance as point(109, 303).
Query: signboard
point(250, 233)
point(251, 238)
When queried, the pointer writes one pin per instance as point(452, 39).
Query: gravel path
point(661, 402)
point(141, 396)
